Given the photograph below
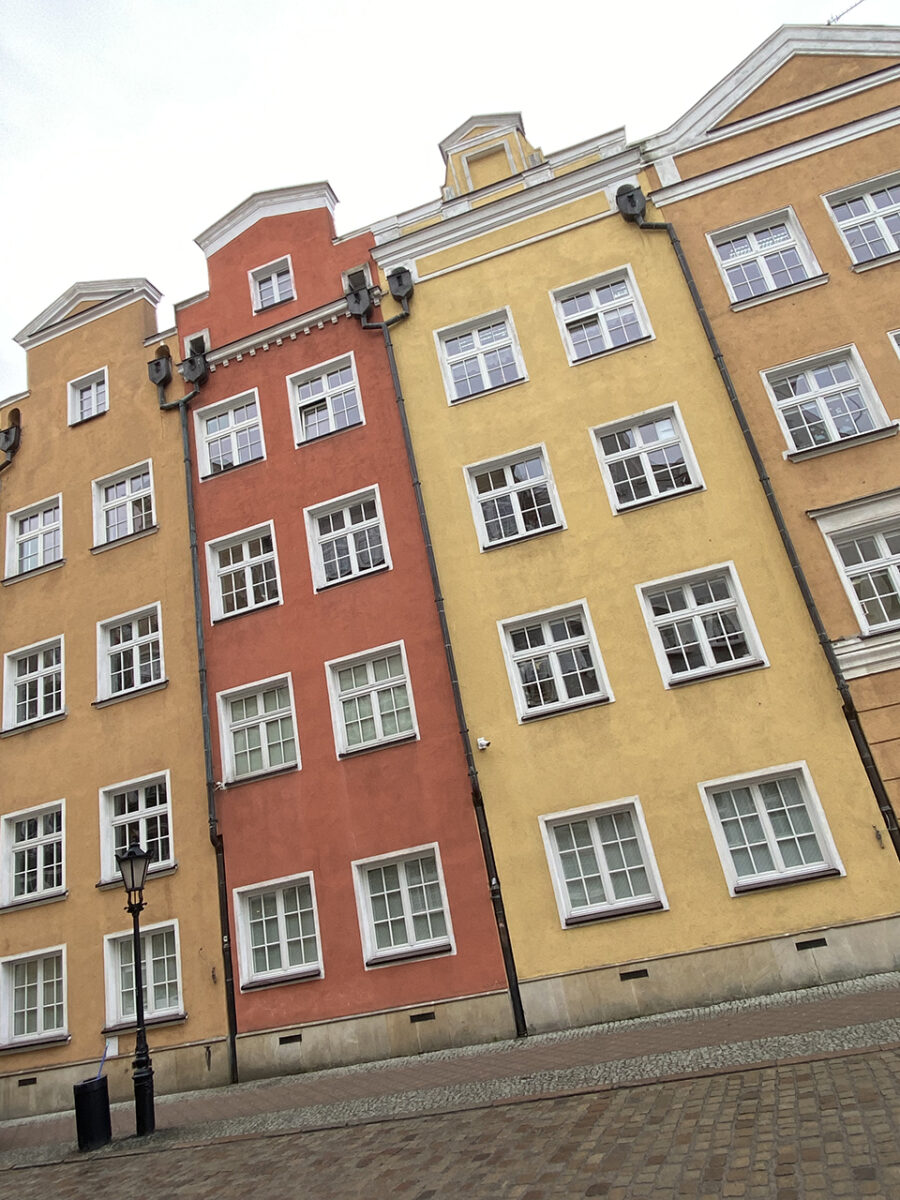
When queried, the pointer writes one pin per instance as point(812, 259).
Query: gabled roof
point(273, 203)
point(84, 302)
point(481, 126)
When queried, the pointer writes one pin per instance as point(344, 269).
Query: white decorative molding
point(868, 655)
point(275, 203)
point(103, 295)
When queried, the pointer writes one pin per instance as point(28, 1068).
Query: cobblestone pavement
point(820, 1130)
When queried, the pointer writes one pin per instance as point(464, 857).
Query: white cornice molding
point(275, 203)
point(276, 335)
point(495, 124)
point(16, 399)
point(104, 296)
point(869, 655)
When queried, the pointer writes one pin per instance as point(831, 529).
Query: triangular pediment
point(484, 151)
point(481, 128)
point(83, 302)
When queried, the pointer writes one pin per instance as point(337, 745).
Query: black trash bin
point(92, 1119)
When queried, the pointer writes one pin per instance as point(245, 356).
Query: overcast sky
point(129, 126)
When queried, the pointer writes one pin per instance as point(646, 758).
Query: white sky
point(129, 126)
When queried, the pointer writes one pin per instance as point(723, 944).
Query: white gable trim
point(265, 204)
point(104, 296)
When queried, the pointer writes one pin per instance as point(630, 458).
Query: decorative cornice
point(103, 295)
point(277, 335)
point(496, 125)
point(275, 203)
point(868, 655)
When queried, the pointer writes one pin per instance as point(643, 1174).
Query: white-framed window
point(513, 497)
point(123, 504)
point(161, 970)
point(371, 699)
point(88, 396)
point(259, 729)
point(601, 861)
point(769, 827)
point(34, 687)
point(32, 854)
point(34, 536)
point(700, 624)
point(764, 255)
point(272, 283)
point(868, 217)
point(129, 652)
point(229, 434)
point(646, 457)
point(601, 314)
point(243, 571)
point(820, 401)
point(553, 661)
point(33, 996)
point(136, 811)
point(325, 399)
point(863, 538)
point(480, 356)
point(402, 905)
point(278, 931)
point(356, 278)
point(347, 537)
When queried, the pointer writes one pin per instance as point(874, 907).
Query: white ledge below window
point(860, 439)
point(868, 653)
point(37, 724)
point(881, 261)
point(130, 694)
point(120, 541)
point(153, 872)
point(10, 579)
point(413, 952)
point(35, 1043)
point(777, 293)
point(36, 901)
point(609, 914)
point(253, 985)
point(130, 1026)
point(758, 885)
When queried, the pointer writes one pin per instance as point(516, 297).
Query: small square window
point(347, 538)
point(161, 972)
point(229, 434)
point(602, 314)
point(243, 572)
point(553, 661)
point(763, 256)
point(129, 653)
point(356, 279)
point(402, 906)
point(480, 356)
point(33, 995)
point(33, 684)
point(272, 284)
point(371, 700)
point(32, 854)
point(34, 537)
point(138, 811)
point(258, 729)
point(513, 497)
point(278, 931)
point(868, 218)
point(123, 504)
point(646, 458)
point(325, 399)
point(88, 396)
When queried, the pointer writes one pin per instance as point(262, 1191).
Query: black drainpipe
point(157, 374)
point(632, 205)
point(361, 309)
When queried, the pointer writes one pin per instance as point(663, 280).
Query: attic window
point(357, 279)
point(88, 396)
point(272, 284)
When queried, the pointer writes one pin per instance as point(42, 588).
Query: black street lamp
point(133, 864)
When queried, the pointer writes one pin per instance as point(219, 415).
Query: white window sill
point(205, 478)
point(38, 723)
point(381, 744)
point(758, 885)
point(869, 653)
point(254, 985)
point(329, 433)
point(751, 664)
point(673, 494)
point(860, 439)
point(253, 776)
point(245, 612)
point(608, 914)
point(130, 1026)
point(42, 570)
point(593, 702)
point(881, 261)
point(121, 541)
point(110, 882)
point(491, 391)
point(326, 587)
point(522, 537)
point(34, 901)
point(777, 293)
point(35, 1043)
point(265, 308)
point(641, 341)
point(391, 957)
point(106, 701)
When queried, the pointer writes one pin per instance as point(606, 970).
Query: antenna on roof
point(834, 20)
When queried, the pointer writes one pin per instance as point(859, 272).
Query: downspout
point(632, 205)
point(362, 310)
point(215, 836)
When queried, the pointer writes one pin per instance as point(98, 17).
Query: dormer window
point(357, 279)
point(271, 284)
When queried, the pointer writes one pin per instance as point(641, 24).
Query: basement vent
point(290, 1039)
point(812, 944)
point(415, 1018)
point(29, 1082)
point(643, 973)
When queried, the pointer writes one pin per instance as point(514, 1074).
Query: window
point(129, 653)
point(33, 684)
point(769, 828)
point(34, 996)
point(371, 699)
point(243, 571)
point(278, 936)
point(87, 396)
point(325, 400)
point(229, 434)
point(700, 625)
point(480, 356)
point(824, 400)
point(259, 729)
point(601, 863)
point(553, 661)
point(161, 975)
point(34, 537)
point(599, 315)
point(347, 538)
point(762, 256)
point(646, 458)
point(271, 284)
point(402, 905)
point(868, 217)
point(870, 562)
point(137, 811)
point(123, 504)
point(513, 497)
point(32, 854)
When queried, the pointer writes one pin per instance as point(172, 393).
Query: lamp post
point(133, 864)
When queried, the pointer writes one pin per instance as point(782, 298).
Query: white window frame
point(316, 541)
point(860, 381)
point(864, 191)
point(761, 255)
point(309, 969)
point(113, 943)
point(106, 651)
point(415, 947)
point(92, 382)
point(326, 397)
point(545, 617)
point(142, 817)
point(513, 491)
point(894, 337)
point(874, 516)
point(799, 771)
point(136, 522)
point(188, 341)
point(268, 273)
point(215, 572)
point(366, 270)
point(480, 353)
point(643, 452)
point(227, 728)
point(232, 433)
point(9, 848)
point(15, 539)
point(8, 1036)
point(369, 688)
point(598, 310)
point(653, 900)
point(10, 718)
